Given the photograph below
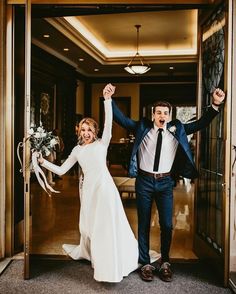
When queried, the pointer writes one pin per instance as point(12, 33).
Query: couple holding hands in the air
point(160, 151)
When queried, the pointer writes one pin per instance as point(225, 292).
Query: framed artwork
point(46, 117)
point(43, 106)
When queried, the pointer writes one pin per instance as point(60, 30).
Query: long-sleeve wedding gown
point(106, 237)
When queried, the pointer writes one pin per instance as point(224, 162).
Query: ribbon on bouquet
point(39, 172)
point(37, 169)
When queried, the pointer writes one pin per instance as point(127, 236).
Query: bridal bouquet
point(41, 142)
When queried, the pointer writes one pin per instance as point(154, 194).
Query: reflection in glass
point(212, 147)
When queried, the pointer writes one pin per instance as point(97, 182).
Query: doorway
point(47, 201)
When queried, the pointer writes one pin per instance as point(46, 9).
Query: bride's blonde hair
point(93, 126)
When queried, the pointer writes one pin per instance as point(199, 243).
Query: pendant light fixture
point(137, 66)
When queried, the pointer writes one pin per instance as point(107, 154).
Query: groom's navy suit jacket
point(183, 164)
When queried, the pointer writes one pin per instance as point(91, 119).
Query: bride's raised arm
point(106, 135)
point(108, 91)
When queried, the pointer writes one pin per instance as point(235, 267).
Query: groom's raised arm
point(218, 97)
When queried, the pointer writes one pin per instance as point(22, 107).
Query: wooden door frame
point(109, 2)
point(232, 93)
point(2, 141)
point(8, 135)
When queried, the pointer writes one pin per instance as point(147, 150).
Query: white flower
point(41, 140)
point(172, 129)
point(53, 142)
point(47, 152)
point(40, 130)
point(31, 131)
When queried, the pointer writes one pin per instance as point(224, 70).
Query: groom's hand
point(218, 97)
point(108, 91)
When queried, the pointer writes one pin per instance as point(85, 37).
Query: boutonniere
point(172, 129)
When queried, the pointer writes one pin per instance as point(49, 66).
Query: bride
point(106, 237)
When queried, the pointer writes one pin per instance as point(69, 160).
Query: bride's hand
point(39, 157)
point(108, 91)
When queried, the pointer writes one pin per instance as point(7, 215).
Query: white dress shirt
point(147, 149)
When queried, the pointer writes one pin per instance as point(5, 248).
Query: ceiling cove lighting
point(137, 66)
point(100, 45)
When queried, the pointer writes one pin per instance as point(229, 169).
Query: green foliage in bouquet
point(41, 140)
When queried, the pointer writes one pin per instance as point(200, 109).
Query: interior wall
point(47, 75)
point(80, 98)
point(122, 90)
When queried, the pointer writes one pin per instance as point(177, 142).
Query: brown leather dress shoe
point(146, 272)
point(165, 272)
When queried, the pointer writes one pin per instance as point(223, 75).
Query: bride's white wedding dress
point(106, 237)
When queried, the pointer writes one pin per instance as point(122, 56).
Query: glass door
point(211, 234)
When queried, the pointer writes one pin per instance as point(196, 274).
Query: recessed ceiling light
point(66, 49)
point(96, 69)
point(171, 67)
point(46, 35)
point(81, 59)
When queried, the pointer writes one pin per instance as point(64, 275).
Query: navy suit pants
point(161, 191)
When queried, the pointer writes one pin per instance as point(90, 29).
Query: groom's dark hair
point(163, 104)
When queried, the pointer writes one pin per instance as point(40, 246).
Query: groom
point(160, 150)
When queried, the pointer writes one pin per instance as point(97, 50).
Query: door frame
point(26, 146)
point(7, 217)
point(106, 2)
point(2, 133)
point(8, 114)
point(232, 87)
point(9, 127)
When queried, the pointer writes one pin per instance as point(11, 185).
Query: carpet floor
point(62, 277)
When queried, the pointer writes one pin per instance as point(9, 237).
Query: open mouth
point(162, 121)
point(87, 138)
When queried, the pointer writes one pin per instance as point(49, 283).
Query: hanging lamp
point(137, 65)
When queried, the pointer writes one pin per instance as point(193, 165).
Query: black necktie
point(158, 150)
